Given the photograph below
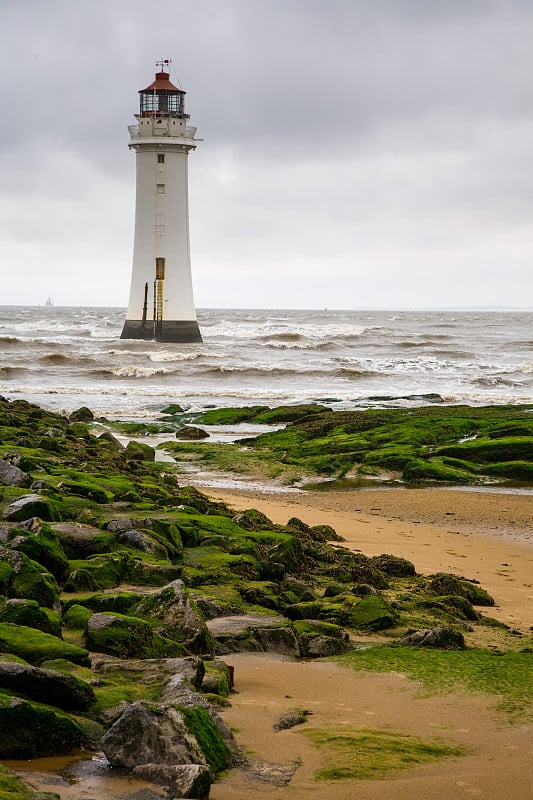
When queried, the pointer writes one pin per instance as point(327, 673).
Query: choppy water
point(66, 357)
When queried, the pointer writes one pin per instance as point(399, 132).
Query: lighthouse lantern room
point(161, 304)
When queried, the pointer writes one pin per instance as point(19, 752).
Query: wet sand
point(495, 766)
point(478, 535)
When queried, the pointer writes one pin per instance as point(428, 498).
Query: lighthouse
point(161, 303)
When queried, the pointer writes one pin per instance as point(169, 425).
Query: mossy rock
point(318, 639)
point(139, 451)
point(252, 520)
point(96, 572)
point(77, 617)
point(82, 414)
point(200, 723)
point(177, 617)
point(128, 637)
point(371, 613)
point(515, 470)
point(145, 573)
point(46, 686)
point(230, 416)
point(455, 605)
point(446, 584)
point(121, 602)
point(32, 505)
point(30, 730)
point(80, 540)
point(42, 546)
point(488, 451)
point(90, 490)
point(172, 409)
point(212, 563)
point(357, 568)
point(436, 470)
point(334, 589)
point(262, 593)
point(23, 578)
point(29, 613)
point(394, 566)
point(36, 646)
point(216, 679)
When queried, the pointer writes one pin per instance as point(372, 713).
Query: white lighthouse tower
point(161, 304)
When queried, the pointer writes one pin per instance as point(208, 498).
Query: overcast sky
point(356, 153)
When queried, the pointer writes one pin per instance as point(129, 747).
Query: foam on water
point(65, 357)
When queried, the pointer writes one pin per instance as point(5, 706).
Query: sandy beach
point(484, 536)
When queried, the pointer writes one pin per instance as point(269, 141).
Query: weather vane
point(164, 62)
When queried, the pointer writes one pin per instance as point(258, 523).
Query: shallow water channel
point(82, 776)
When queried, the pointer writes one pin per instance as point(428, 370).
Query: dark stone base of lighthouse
point(167, 330)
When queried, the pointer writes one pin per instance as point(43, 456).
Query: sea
point(64, 357)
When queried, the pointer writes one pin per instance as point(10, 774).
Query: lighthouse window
point(160, 158)
point(160, 188)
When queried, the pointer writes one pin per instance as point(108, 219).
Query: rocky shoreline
point(124, 593)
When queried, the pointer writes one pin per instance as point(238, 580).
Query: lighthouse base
point(165, 331)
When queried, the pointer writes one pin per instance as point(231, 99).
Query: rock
point(46, 686)
point(253, 633)
point(441, 637)
point(334, 589)
point(217, 678)
point(166, 735)
point(322, 646)
point(298, 525)
point(173, 673)
point(357, 568)
point(13, 476)
point(150, 733)
point(191, 432)
point(29, 505)
point(79, 540)
point(35, 646)
point(252, 520)
point(26, 579)
point(29, 730)
point(177, 618)
point(121, 525)
point(302, 590)
point(446, 584)
point(139, 451)
point(82, 414)
point(185, 780)
point(112, 441)
point(325, 533)
point(371, 613)
point(173, 408)
point(125, 636)
point(29, 613)
point(39, 542)
point(364, 590)
point(211, 608)
point(394, 565)
point(140, 540)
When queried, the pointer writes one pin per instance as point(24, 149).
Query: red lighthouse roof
point(162, 83)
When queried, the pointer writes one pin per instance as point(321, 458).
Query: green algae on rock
point(34, 646)
point(449, 444)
